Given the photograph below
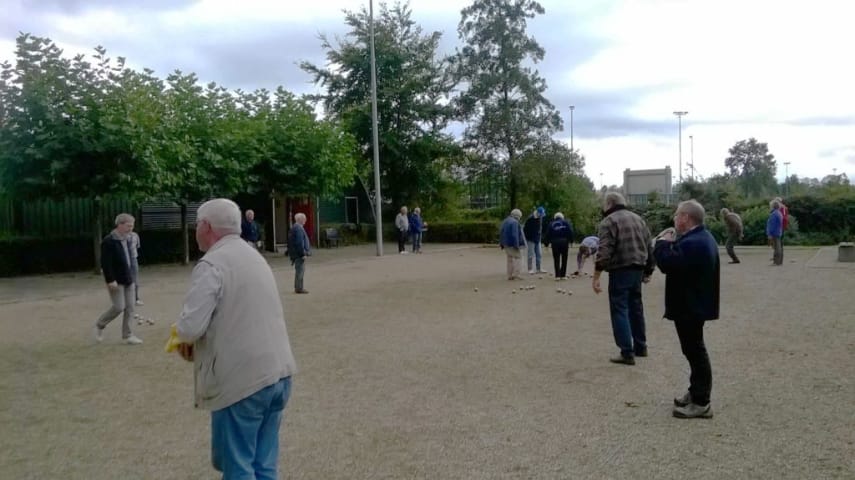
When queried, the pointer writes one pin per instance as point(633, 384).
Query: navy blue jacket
point(692, 275)
point(298, 242)
point(114, 261)
point(532, 229)
point(560, 231)
point(249, 231)
point(511, 234)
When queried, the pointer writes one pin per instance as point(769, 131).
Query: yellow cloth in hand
point(173, 342)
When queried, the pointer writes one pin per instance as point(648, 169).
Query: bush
point(462, 232)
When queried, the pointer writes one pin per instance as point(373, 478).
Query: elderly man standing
point(692, 269)
point(733, 222)
point(249, 229)
point(233, 330)
point(299, 247)
point(625, 252)
point(116, 267)
point(775, 232)
point(511, 240)
point(533, 229)
point(402, 226)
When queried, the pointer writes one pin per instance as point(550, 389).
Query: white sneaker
point(405, 252)
point(99, 334)
point(140, 303)
point(542, 271)
point(133, 340)
point(531, 272)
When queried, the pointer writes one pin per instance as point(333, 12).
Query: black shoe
point(683, 401)
point(641, 352)
point(623, 360)
point(301, 291)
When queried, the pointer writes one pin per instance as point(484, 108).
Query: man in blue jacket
point(692, 266)
point(299, 247)
point(775, 232)
point(533, 229)
point(511, 240)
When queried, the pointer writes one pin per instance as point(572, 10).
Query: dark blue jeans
point(627, 311)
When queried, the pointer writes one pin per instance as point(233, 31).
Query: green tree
point(411, 88)
point(753, 166)
point(504, 105)
point(65, 129)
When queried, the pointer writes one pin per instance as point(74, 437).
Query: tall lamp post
point(378, 198)
point(692, 156)
point(786, 179)
point(680, 143)
point(572, 107)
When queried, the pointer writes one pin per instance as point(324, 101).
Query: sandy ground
point(406, 372)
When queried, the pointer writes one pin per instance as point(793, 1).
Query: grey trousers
point(778, 249)
point(299, 271)
point(731, 241)
point(122, 301)
point(135, 273)
point(514, 262)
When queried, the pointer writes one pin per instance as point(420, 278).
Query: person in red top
point(784, 211)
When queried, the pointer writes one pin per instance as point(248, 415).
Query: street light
point(787, 179)
point(680, 143)
point(572, 107)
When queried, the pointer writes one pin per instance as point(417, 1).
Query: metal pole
point(572, 107)
point(692, 155)
point(786, 179)
point(378, 198)
point(680, 143)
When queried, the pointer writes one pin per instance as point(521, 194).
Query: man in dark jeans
point(626, 253)
point(299, 247)
point(560, 236)
point(692, 268)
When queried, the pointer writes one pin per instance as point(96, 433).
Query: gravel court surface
point(406, 372)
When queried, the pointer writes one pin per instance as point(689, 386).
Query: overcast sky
point(777, 71)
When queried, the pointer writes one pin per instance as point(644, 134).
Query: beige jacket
point(233, 315)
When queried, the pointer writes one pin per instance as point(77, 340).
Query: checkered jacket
point(624, 242)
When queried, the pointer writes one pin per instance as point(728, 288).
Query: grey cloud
point(836, 121)
point(80, 6)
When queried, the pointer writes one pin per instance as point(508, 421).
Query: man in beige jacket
point(233, 330)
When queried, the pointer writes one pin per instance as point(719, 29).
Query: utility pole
point(680, 143)
point(692, 161)
point(378, 197)
point(572, 107)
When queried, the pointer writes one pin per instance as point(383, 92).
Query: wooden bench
point(332, 237)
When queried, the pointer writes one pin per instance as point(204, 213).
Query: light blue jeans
point(533, 251)
point(245, 435)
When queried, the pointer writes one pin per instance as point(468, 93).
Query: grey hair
point(300, 216)
point(516, 213)
point(724, 211)
point(615, 199)
point(123, 218)
point(694, 210)
point(222, 214)
point(778, 199)
point(417, 210)
point(558, 215)
point(775, 204)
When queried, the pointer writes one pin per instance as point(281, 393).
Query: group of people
point(409, 226)
point(514, 237)
point(232, 285)
point(687, 254)
point(776, 224)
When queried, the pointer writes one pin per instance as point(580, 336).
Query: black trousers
point(402, 240)
point(691, 335)
point(559, 256)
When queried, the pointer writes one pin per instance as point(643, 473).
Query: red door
point(303, 205)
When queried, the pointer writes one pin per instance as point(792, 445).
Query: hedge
point(39, 255)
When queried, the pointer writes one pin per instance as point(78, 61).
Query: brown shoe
point(623, 360)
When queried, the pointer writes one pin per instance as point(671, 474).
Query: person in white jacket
point(232, 327)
